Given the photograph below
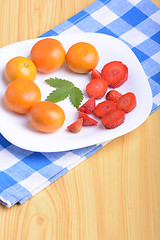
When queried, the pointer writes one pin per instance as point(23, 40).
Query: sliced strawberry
point(115, 73)
point(87, 121)
point(76, 126)
point(113, 95)
point(95, 74)
point(88, 106)
point(113, 118)
point(102, 108)
point(97, 88)
point(127, 102)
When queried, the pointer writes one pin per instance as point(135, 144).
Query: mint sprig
point(64, 88)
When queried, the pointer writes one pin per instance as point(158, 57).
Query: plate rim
point(92, 142)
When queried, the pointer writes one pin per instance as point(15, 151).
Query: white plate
point(17, 129)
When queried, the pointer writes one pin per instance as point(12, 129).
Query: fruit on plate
point(115, 73)
point(76, 126)
point(103, 107)
point(20, 68)
point(127, 102)
point(97, 88)
point(89, 106)
point(113, 118)
point(21, 95)
point(46, 116)
point(82, 57)
point(87, 121)
point(95, 74)
point(48, 55)
point(113, 95)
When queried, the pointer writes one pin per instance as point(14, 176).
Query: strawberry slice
point(87, 121)
point(95, 74)
point(97, 88)
point(76, 126)
point(115, 73)
point(102, 108)
point(113, 95)
point(113, 118)
point(127, 102)
point(88, 106)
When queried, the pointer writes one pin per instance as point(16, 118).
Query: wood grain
point(114, 194)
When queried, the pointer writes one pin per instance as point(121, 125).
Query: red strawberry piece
point(113, 118)
point(88, 106)
point(113, 95)
point(102, 108)
point(97, 88)
point(87, 121)
point(76, 126)
point(127, 102)
point(95, 74)
point(115, 73)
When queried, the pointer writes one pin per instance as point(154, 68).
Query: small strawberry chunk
point(97, 88)
point(88, 106)
point(95, 74)
point(76, 126)
point(113, 95)
point(127, 102)
point(113, 118)
point(115, 73)
point(87, 121)
point(102, 108)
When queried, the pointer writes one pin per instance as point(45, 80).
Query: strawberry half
point(127, 102)
point(113, 118)
point(88, 106)
point(102, 108)
point(87, 121)
point(113, 95)
point(115, 73)
point(95, 74)
point(97, 88)
point(76, 126)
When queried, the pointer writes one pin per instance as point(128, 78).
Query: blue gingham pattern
point(136, 22)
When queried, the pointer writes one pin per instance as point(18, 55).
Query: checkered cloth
point(136, 22)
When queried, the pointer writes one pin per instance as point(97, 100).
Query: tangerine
point(46, 116)
point(82, 57)
point(20, 68)
point(48, 55)
point(21, 95)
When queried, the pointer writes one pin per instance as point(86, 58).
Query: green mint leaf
point(59, 94)
point(59, 83)
point(64, 88)
point(76, 97)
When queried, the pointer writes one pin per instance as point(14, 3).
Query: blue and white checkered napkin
point(137, 23)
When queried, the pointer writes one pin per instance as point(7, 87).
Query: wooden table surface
point(114, 194)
